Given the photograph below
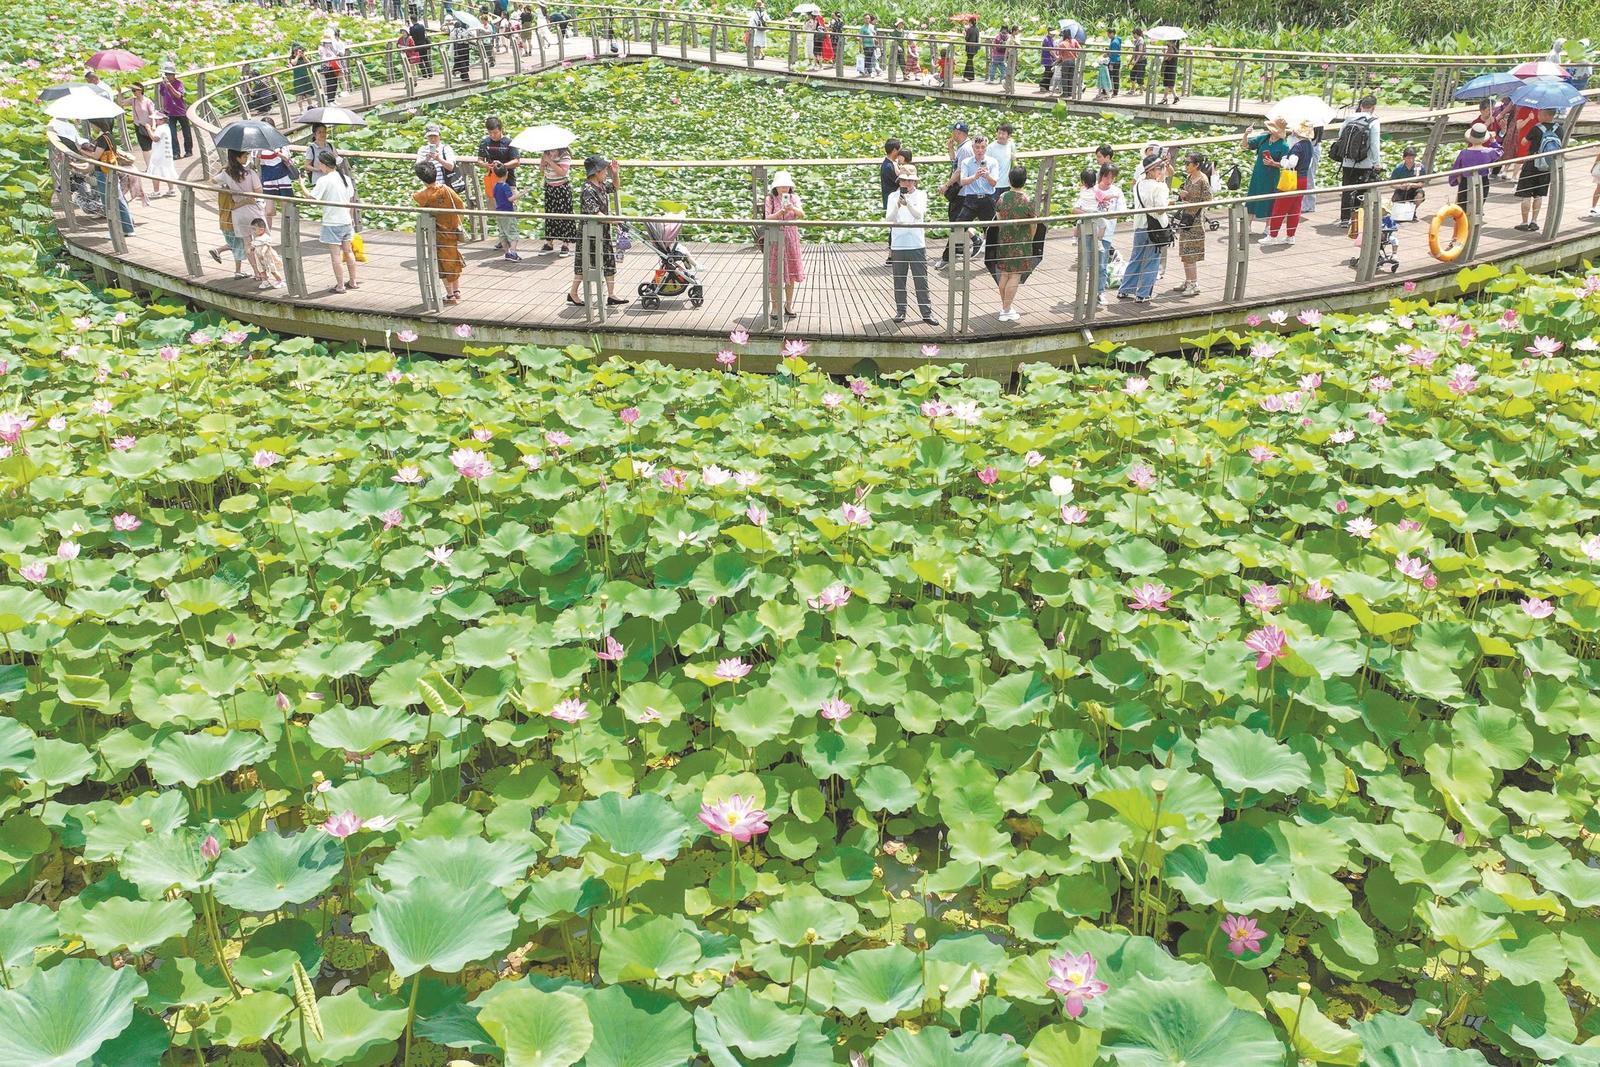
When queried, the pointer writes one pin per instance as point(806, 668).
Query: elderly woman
point(1267, 149)
point(1014, 252)
point(1196, 189)
point(784, 205)
point(437, 155)
point(446, 205)
point(555, 167)
point(594, 198)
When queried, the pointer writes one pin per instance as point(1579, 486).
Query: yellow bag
point(1288, 180)
point(359, 247)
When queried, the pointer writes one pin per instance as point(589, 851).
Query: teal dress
point(1264, 179)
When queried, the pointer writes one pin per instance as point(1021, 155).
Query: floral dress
point(1191, 226)
point(794, 270)
point(1013, 247)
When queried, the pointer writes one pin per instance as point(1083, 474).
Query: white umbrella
point(1166, 33)
point(81, 105)
point(1297, 109)
point(543, 138)
point(807, 9)
point(467, 20)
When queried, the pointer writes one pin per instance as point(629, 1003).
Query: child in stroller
point(676, 273)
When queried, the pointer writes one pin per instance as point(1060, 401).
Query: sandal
point(216, 254)
point(574, 303)
point(351, 285)
point(336, 290)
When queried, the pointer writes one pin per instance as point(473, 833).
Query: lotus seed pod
point(1304, 988)
point(811, 936)
point(147, 826)
point(1159, 785)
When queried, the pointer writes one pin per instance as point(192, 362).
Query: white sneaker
point(1594, 212)
point(1268, 239)
point(1287, 241)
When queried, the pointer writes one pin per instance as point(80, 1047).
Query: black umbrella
point(248, 135)
point(56, 92)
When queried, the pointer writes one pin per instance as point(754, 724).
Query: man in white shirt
point(977, 180)
point(91, 78)
point(436, 152)
point(908, 244)
point(1000, 150)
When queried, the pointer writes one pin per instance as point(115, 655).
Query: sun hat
point(1153, 161)
point(1478, 132)
point(594, 164)
point(907, 172)
point(169, 67)
point(1278, 123)
point(1303, 128)
point(782, 180)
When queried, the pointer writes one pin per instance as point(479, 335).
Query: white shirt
point(1150, 193)
point(445, 155)
point(100, 88)
point(1001, 154)
point(912, 207)
point(335, 193)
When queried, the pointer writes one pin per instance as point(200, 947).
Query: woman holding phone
point(1267, 149)
point(783, 205)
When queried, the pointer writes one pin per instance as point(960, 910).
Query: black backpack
point(1355, 137)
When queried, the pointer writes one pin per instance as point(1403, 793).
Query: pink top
point(143, 109)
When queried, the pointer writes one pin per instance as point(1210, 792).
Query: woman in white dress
point(160, 166)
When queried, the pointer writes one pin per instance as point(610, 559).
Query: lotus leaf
point(423, 925)
point(61, 1016)
point(271, 870)
point(538, 1029)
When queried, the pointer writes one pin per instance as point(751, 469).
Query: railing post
point(685, 31)
point(360, 66)
point(1328, 80)
point(187, 237)
point(1238, 267)
point(949, 66)
point(838, 55)
point(594, 38)
point(1013, 54)
point(516, 55)
point(1555, 197)
point(447, 53)
point(1046, 185)
point(590, 248)
point(1475, 214)
point(1086, 296)
point(1435, 135)
point(892, 52)
point(294, 268)
point(711, 42)
point(749, 49)
point(1371, 236)
point(244, 102)
point(1236, 89)
point(63, 175)
point(1188, 72)
point(428, 261)
point(481, 47)
point(758, 193)
point(794, 48)
point(957, 291)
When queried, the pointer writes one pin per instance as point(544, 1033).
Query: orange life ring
point(1458, 238)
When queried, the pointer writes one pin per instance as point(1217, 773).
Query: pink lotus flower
point(930, 351)
point(34, 572)
point(988, 476)
point(264, 459)
point(1361, 526)
point(1263, 597)
point(1413, 567)
point(1422, 357)
point(482, 434)
point(1341, 506)
point(629, 416)
point(834, 596)
point(440, 554)
point(1342, 436)
point(342, 825)
point(731, 670)
point(393, 377)
point(1463, 379)
point(1032, 458)
point(67, 551)
point(1380, 384)
point(833, 709)
point(1142, 476)
point(1243, 934)
point(82, 323)
point(831, 400)
point(746, 479)
point(1408, 525)
point(739, 335)
point(168, 353)
point(1073, 515)
point(570, 711)
point(123, 443)
point(795, 347)
point(756, 515)
point(1317, 592)
point(859, 387)
point(1152, 596)
point(1590, 547)
point(392, 518)
point(855, 515)
point(967, 411)
point(726, 358)
point(673, 478)
point(1269, 643)
point(1310, 317)
point(532, 461)
point(737, 817)
point(235, 337)
point(1073, 978)
point(1508, 318)
point(1278, 317)
point(1261, 453)
point(407, 475)
point(610, 651)
point(1311, 382)
point(405, 337)
point(125, 522)
point(1536, 608)
point(57, 423)
point(463, 331)
point(211, 848)
point(934, 409)
point(471, 464)
point(1135, 385)
point(557, 438)
point(1544, 346)
point(1377, 418)
point(1409, 287)
point(99, 407)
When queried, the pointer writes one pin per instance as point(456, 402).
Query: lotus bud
point(811, 936)
point(211, 848)
point(283, 703)
point(905, 894)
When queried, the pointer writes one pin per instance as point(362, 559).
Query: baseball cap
point(958, 127)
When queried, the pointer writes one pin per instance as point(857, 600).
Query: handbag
point(359, 248)
point(1288, 180)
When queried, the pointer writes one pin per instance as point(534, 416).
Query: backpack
point(1550, 142)
point(1355, 137)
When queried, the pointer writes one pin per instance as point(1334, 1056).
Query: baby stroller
point(1389, 243)
point(676, 274)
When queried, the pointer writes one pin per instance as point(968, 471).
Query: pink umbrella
point(1540, 69)
point(115, 59)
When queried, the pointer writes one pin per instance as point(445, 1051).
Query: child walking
point(264, 257)
point(505, 202)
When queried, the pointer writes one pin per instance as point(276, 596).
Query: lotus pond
point(652, 111)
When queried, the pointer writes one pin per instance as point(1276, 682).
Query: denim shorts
point(236, 245)
point(337, 235)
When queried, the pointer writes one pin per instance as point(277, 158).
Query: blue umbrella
point(1487, 85)
point(1544, 93)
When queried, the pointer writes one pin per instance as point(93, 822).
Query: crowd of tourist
point(986, 188)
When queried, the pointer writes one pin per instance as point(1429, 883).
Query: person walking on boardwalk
point(1047, 60)
point(1359, 151)
point(1114, 55)
point(1267, 149)
point(338, 223)
point(1141, 58)
point(757, 29)
point(300, 80)
point(1017, 246)
point(1533, 184)
point(784, 205)
point(419, 41)
point(973, 38)
point(600, 183)
point(908, 243)
point(440, 198)
point(1169, 72)
point(555, 167)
